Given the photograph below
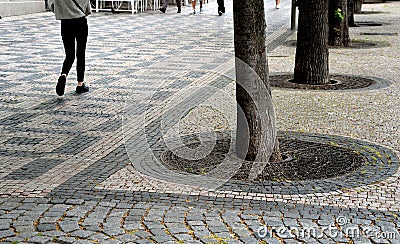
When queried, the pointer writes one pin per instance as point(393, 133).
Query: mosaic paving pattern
point(65, 172)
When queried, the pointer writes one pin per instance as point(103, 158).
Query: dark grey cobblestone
point(53, 233)
point(6, 233)
point(27, 206)
point(163, 239)
point(289, 222)
point(132, 225)
point(158, 231)
point(74, 201)
point(5, 224)
point(248, 239)
point(46, 227)
point(338, 238)
point(67, 239)
point(99, 237)
point(142, 234)
point(113, 231)
point(92, 221)
point(183, 237)
point(177, 230)
point(361, 240)
point(224, 234)
point(15, 240)
point(69, 227)
point(34, 169)
point(40, 239)
point(94, 228)
point(28, 234)
point(271, 240)
point(107, 204)
point(115, 214)
point(145, 241)
point(82, 233)
point(82, 242)
point(273, 221)
point(330, 241)
point(78, 212)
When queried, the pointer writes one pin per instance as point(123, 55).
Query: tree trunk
point(350, 13)
point(311, 62)
point(338, 24)
point(254, 132)
point(357, 6)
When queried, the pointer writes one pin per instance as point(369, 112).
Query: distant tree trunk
point(350, 13)
point(358, 6)
point(311, 62)
point(249, 40)
point(338, 24)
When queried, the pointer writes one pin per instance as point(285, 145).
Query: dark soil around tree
point(303, 160)
point(337, 82)
point(354, 44)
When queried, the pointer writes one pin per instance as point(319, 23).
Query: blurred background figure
point(277, 4)
point(221, 7)
point(165, 5)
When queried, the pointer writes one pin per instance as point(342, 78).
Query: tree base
point(305, 158)
point(337, 82)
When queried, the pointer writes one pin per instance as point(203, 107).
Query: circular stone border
point(355, 44)
point(339, 82)
point(380, 164)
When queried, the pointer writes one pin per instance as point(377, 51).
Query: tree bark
point(338, 24)
point(252, 140)
point(311, 62)
point(350, 13)
point(358, 6)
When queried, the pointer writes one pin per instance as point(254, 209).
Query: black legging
point(221, 6)
point(71, 30)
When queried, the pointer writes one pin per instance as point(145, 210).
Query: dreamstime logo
point(345, 229)
point(152, 121)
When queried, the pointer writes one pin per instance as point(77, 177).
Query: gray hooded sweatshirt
point(67, 9)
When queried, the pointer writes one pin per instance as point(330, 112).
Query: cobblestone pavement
point(75, 169)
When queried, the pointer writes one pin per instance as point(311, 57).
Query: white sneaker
point(278, 6)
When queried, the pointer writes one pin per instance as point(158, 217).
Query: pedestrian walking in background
point(165, 5)
point(277, 4)
point(74, 28)
point(201, 5)
point(221, 7)
point(194, 6)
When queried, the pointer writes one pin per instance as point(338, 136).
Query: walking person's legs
point(69, 47)
point(81, 41)
point(73, 30)
point(165, 5)
point(179, 4)
point(194, 6)
point(221, 7)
